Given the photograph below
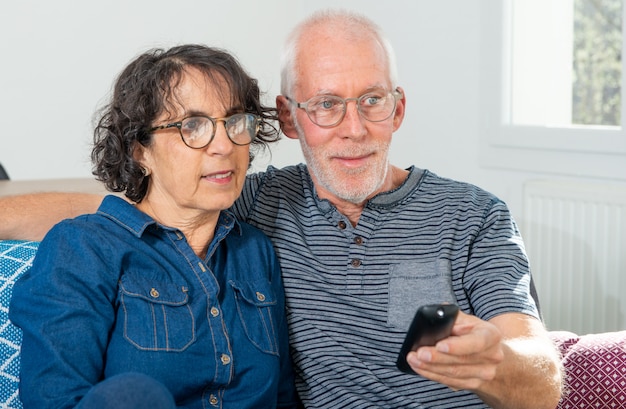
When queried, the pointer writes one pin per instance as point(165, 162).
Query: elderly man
point(363, 243)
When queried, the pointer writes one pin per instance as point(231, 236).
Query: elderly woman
point(168, 301)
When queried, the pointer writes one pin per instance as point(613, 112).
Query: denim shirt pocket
point(157, 315)
point(256, 306)
point(413, 284)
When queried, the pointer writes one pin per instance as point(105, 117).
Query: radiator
point(575, 238)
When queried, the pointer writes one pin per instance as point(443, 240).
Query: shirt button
point(260, 296)
point(342, 225)
point(215, 312)
point(154, 293)
point(225, 359)
point(358, 240)
point(213, 400)
point(355, 262)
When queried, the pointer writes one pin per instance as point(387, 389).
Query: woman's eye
point(190, 125)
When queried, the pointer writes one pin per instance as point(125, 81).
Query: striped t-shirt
point(352, 291)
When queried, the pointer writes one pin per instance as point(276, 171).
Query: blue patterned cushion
point(15, 258)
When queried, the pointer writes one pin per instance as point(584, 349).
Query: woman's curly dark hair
point(144, 90)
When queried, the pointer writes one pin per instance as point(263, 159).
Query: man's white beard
point(371, 179)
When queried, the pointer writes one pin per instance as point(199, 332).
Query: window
point(552, 86)
point(565, 62)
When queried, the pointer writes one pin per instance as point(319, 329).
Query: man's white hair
point(349, 24)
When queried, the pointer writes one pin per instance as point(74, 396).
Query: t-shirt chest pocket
point(413, 284)
point(157, 315)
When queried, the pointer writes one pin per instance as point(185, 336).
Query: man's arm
point(509, 361)
point(30, 216)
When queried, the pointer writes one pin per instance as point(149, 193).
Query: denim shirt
point(116, 292)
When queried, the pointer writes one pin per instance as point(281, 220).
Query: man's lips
point(352, 161)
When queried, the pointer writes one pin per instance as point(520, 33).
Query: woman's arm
point(65, 307)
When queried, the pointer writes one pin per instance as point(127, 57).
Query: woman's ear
point(140, 156)
point(284, 117)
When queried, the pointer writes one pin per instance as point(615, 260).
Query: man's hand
point(466, 359)
point(508, 361)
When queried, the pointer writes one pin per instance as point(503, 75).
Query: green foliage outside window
point(597, 62)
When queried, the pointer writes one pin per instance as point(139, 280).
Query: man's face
point(350, 160)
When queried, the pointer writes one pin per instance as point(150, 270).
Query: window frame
point(595, 151)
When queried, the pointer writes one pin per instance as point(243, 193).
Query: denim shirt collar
point(136, 221)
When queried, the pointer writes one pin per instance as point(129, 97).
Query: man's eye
point(327, 104)
point(371, 100)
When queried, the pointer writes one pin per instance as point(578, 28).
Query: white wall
point(59, 59)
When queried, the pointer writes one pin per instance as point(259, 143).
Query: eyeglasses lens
point(196, 131)
point(241, 128)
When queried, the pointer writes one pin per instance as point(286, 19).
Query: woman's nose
point(221, 143)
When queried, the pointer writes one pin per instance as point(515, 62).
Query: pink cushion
point(595, 367)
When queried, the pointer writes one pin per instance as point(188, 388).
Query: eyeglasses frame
point(396, 93)
point(215, 121)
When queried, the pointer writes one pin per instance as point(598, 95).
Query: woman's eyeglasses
point(198, 131)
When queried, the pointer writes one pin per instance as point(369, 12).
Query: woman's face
point(188, 185)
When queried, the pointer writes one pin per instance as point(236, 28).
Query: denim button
point(213, 400)
point(215, 312)
point(154, 293)
point(260, 296)
point(225, 359)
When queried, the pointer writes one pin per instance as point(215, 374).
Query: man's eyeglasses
point(329, 110)
point(198, 131)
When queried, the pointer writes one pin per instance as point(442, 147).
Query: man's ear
point(284, 117)
point(398, 115)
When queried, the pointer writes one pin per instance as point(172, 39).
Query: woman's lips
point(219, 177)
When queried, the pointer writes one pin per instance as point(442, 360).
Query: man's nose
point(353, 119)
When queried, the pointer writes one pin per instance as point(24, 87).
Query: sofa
point(16, 257)
point(595, 364)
